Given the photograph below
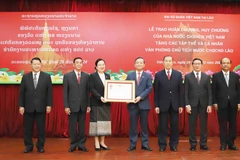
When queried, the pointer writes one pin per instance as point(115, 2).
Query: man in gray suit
point(198, 100)
point(35, 100)
point(76, 103)
point(141, 106)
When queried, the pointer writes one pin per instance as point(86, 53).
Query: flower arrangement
point(11, 77)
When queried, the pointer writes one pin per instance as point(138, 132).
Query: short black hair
point(76, 59)
point(37, 59)
point(227, 58)
point(197, 59)
point(167, 56)
point(96, 62)
point(140, 58)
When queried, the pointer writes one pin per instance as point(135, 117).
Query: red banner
point(118, 38)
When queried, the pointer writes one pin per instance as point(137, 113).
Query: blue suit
point(143, 89)
point(168, 96)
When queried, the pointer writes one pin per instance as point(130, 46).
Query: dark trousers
point(134, 114)
point(76, 124)
point(192, 119)
point(227, 115)
point(163, 128)
point(28, 120)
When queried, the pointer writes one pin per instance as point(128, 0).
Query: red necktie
point(138, 78)
point(168, 75)
point(79, 78)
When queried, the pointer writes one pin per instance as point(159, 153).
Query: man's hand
point(103, 100)
point(238, 107)
point(88, 109)
point(215, 106)
point(209, 109)
point(180, 110)
point(67, 111)
point(137, 99)
point(21, 110)
point(48, 109)
point(157, 110)
point(188, 109)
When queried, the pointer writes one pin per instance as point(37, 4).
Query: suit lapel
point(230, 79)
point(223, 79)
point(74, 77)
point(194, 77)
point(135, 78)
point(82, 77)
point(99, 79)
point(165, 75)
point(31, 80)
point(202, 78)
point(171, 76)
point(39, 79)
point(142, 77)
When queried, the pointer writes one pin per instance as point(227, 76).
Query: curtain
point(11, 122)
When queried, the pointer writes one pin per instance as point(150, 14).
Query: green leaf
point(21, 72)
point(236, 68)
point(130, 71)
point(116, 78)
point(51, 73)
point(121, 71)
point(108, 71)
point(10, 73)
point(4, 69)
point(59, 72)
point(114, 74)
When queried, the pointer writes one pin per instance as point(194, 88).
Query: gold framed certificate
point(119, 91)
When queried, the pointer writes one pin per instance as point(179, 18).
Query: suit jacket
point(76, 96)
point(97, 89)
point(36, 99)
point(143, 90)
point(168, 92)
point(195, 92)
point(221, 92)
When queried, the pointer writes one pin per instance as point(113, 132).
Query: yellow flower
point(56, 78)
point(112, 78)
point(18, 78)
point(123, 76)
point(4, 77)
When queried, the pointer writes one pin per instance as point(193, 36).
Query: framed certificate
point(119, 91)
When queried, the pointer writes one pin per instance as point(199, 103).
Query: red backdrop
point(57, 37)
point(11, 122)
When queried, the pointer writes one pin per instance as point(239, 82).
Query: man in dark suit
point(226, 100)
point(76, 103)
point(34, 101)
point(168, 100)
point(141, 106)
point(198, 100)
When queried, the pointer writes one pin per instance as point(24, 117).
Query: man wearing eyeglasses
point(198, 100)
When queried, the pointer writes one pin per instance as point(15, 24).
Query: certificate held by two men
point(119, 91)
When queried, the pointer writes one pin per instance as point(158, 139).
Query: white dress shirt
point(77, 73)
point(226, 76)
point(102, 77)
point(170, 72)
point(199, 74)
point(138, 74)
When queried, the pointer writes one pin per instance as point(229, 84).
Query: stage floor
point(57, 149)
